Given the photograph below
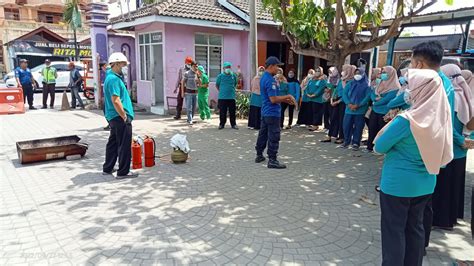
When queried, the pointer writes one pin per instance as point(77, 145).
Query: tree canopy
point(332, 29)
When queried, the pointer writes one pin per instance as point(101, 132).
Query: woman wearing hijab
point(203, 94)
point(255, 101)
point(332, 84)
point(294, 90)
point(315, 91)
point(381, 95)
point(416, 143)
point(356, 98)
point(448, 197)
point(469, 78)
point(399, 102)
point(375, 77)
point(305, 113)
point(339, 107)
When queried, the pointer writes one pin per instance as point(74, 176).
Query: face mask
point(260, 73)
point(227, 71)
point(384, 76)
point(343, 73)
point(188, 66)
point(407, 97)
point(124, 70)
point(310, 76)
point(358, 77)
point(402, 80)
point(317, 74)
point(377, 81)
point(291, 75)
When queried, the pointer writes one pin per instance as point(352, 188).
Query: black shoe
point(44, 107)
point(325, 140)
point(377, 188)
point(260, 158)
point(275, 164)
point(177, 117)
point(129, 175)
point(221, 127)
point(235, 127)
point(32, 108)
point(109, 173)
point(107, 128)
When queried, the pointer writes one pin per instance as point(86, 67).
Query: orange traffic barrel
point(11, 101)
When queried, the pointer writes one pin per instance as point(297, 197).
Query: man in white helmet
point(119, 113)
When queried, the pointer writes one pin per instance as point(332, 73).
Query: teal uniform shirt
point(458, 141)
point(398, 102)
point(363, 105)
point(283, 89)
point(255, 100)
point(317, 87)
point(114, 85)
point(381, 106)
point(294, 90)
point(404, 173)
point(339, 91)
point(227, 85)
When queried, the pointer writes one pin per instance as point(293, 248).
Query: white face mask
point(407, 98)
point(124, 70)
point(291, 75)
point(358, 77)
point(310, 76)
point(260, 73)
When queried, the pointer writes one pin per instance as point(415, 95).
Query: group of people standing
point(423, 121)
point(192, 86)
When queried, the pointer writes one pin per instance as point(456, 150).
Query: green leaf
point(450, 2)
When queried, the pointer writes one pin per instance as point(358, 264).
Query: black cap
point(272, 60)
point(47, 61)
point(23, 61)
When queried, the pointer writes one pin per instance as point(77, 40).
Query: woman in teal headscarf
point(203, 95)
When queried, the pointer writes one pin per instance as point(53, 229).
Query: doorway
point(158, 75)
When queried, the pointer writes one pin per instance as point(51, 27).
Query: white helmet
point(118, 58)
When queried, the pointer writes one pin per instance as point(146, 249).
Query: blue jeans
point(269, 133)
point(191, 100)
point(353, 126)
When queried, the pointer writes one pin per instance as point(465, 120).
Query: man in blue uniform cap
point(271, 113)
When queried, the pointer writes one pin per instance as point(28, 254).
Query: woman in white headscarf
point(469, 77)
point(416, 143)
point(305, 113)
point(381, 95)
point(448, 198)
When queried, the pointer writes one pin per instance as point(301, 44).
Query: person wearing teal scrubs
point(226, 85)
point(203, 94)
point(255, 113)
point(293, 90)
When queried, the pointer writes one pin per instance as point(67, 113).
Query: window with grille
point(208, 53)
point(146, 42)
point(12, 13)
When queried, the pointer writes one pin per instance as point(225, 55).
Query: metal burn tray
point(50, 149)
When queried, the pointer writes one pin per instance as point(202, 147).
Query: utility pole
point(253, 38)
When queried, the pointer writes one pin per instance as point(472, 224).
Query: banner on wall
point(42, 48)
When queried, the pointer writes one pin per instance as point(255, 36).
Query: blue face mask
point(384, 76)
point(227, 71)
point(402, 80)
point(377, 81)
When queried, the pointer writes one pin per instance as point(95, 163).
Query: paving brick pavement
point(219, 208)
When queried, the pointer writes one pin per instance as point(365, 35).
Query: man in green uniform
point(203, 94)
point(49, 84)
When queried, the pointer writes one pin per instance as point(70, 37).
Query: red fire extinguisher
point(150, 148)
point(136, 155)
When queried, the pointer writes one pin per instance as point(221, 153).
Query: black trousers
point(224, 106)
point(48, 89)
point(179, 105)
point(119, 146)
point(27, 93)
point(269, 134)
point(255, 117)
point(448, 197)
point(402, 229)
point(376, 123)
point(291, 110)
point(327, 115)
point(337, 118)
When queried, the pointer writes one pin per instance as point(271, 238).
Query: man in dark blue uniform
point(271, 113)
point(25, 81)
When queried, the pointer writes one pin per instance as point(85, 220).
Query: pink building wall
point(178, 42)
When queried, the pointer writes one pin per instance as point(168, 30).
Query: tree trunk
point(76, 57)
